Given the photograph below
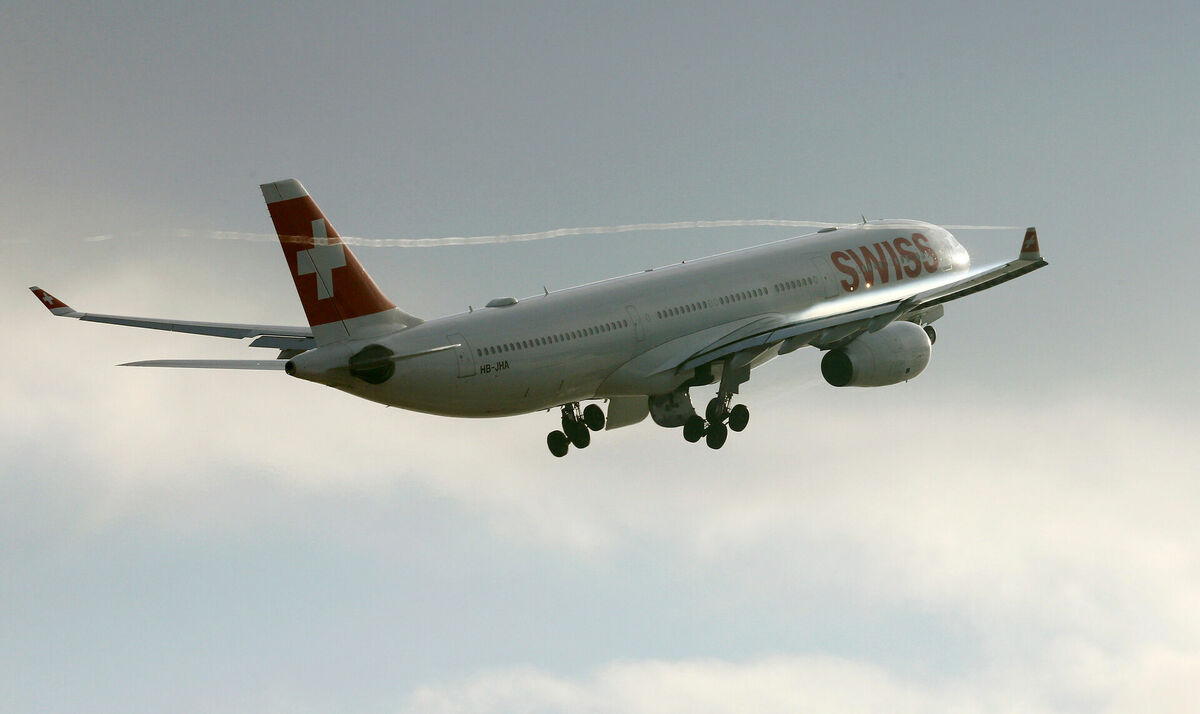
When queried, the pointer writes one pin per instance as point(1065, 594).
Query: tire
point(558, 442)
point(739, 417)
point(715, 412)
point(579, 435)
point(593, 416)
point(716, 436)
point(693, 428)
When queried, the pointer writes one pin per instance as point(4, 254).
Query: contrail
point(955, 227)
point(510, 237)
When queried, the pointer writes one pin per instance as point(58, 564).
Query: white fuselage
point(626, 335)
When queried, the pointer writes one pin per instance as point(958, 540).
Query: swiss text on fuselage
point(885, 262)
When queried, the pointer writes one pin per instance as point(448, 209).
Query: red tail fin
point(1029, 246)
point(333, 287)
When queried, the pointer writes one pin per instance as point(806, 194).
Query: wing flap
point(810, 330)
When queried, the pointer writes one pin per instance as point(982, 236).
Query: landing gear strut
point(577, 428)
point(719, 417)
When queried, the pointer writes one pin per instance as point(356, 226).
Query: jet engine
point(895, 354)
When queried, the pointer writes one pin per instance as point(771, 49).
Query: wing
point(273, 336)
point(871, 314)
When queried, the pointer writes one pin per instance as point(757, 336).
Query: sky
point(1014, 531)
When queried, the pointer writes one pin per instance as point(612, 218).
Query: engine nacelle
point(895, 354)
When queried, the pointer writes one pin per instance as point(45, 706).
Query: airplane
point(864, 294)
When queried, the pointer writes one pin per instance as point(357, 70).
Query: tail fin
point(340, 299)
point(1029, 246)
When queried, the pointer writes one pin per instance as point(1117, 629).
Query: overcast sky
point(1014, 531)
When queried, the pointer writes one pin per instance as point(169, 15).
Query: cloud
point(1072, 679)
point(777, 684)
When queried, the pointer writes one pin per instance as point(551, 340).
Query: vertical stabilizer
point(340, 299)
point(1029, 246)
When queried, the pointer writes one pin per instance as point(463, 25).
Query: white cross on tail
point(321, 259)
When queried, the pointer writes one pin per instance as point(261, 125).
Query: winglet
point(53, 304)
point(1029, 247)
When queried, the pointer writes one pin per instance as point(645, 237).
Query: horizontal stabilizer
point(301, 337)
point(255, 364)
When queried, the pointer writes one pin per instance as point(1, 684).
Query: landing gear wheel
point(716, 436)
point(593, 416)
point(693, 428)
point(715, 412)
point(739, 417)
point(558, 442)
point(578, 434)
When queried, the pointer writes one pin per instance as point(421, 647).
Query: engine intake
point(895, 354)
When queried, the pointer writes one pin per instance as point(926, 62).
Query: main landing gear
point(577, 426)
point(719, 418)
